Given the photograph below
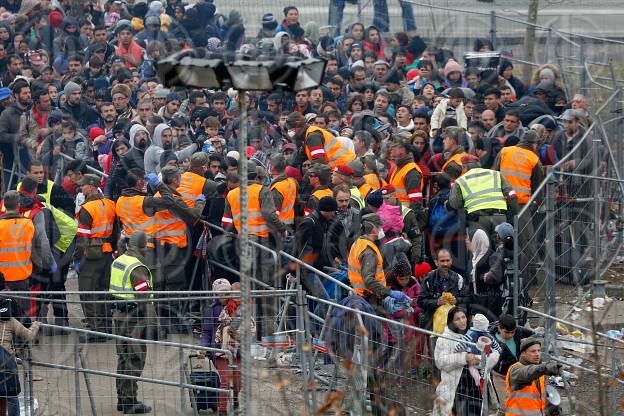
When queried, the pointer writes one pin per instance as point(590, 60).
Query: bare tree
point(529, 39)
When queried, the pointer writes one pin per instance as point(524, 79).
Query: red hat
point(250, 151)
point(293, 172)
point(412, 73)
point(344, 170)
point(95, 132)
point(388, 189)
point(55, 18)
point(469, 159)
point(421, 269)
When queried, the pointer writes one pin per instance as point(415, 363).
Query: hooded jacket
point(155, 150)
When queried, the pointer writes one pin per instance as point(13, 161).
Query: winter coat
point(432, 290)
point(507, 358)
point(439, 113)
point(153, 152)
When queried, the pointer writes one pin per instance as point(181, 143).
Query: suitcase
point(202, 372)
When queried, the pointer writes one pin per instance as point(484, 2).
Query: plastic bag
point(440, 316)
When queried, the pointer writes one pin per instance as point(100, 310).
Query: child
point(453, 106)
point(478, 333)
point(228, 331)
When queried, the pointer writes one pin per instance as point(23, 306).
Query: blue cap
point(5, 93)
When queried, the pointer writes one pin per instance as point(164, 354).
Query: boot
point(137, 408)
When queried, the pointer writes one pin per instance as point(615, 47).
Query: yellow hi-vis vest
point(482, 189)
point(47, 195)
point(120, 276)
point(356, 196)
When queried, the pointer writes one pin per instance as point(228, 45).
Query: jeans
point(13, 406)
point(380, 10)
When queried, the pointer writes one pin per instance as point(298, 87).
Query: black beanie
point(327, 204)
point(374, 199)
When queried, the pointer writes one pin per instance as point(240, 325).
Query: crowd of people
point(402, 171)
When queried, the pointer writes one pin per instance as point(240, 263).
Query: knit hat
point(295, 120)
point(154, 8)
point(327, 204)
point(374, 199)
point(173, 96)
point(372, 218)
point(70, 88)
point(530, 137)
point(480, 322)
point(451, 66)
point(54, 116)
point(344, 170)
point(294, 173)
point(165, 157)
point(422, 269)
point(199, 159)
point(152, 20)
point(504, 230)
point(401, 266)
point(55, 18)
point(233, 154)
point(547, 74)
point(269, 22)
point(95, 132)
point(528, 342)
point(161, 93)
point(221, 285)
point(393, 78)
point(5, 92)
point(121, 89)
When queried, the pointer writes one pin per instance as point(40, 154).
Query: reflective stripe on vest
point(169, 228)
point(129, 209)
point(120, 280)
point(356, 197)
point(457, 157)
point(529, 400)
point(398, 181)
point(355, 267)
point(102, 212)
point(516, 166)
point(481, 189)
point(288, 189)
point(16, 235)
point(404, 211)
point(336, 153)
point(255, 219)
point(191, 186)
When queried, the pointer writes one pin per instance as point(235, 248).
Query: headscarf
point(479, 246)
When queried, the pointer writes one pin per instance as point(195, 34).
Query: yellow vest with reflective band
point(404, 211)
point(288, 189)
point(528, 401)
point(336, 153)
point(457, 157)
point(120, 276)
point(16, 235)
point(355, 267)
point(191, 186)
point(398, 181)
point(255, 219)
point(129, 209)
point(516, 166)
point(47, 195)
point(102, 212)
point(169, 228)
point(356, 197)
point(482, 189)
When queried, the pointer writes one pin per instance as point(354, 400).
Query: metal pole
point(547, 45)
point(597, 198)
point(549, 291)
point(516, 266)
point(28, 381)
point(77, 374)
point(614, 371)
point(83, 363)
point(493, 29)
point(301, 350)
point(182, 381)
point(245, 264)
point(583, 73)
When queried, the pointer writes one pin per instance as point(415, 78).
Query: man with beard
point(139, 142)
point(33, 128)
point(108, 116)
point(145, 109)
point(83, 114)
point(14, 68)
point(163, 140)
point(121, 95)
point(10, 125)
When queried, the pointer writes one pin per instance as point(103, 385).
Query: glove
point(77, 266)
point(398, 295)
point(553, 368)
point(152, 179)
point(53, 267)
point(201, 197)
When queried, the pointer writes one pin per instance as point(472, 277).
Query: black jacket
point(82, 113)
point(431, 290)
point(321, 237)
point(507, 359)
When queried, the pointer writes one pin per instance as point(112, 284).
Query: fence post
point(596, 189)
point(182, 381)
point(547, 45)
point(549, 263)
point(516, 268)
point(614, 374)
point(302, 347)
point(77, 373)
point(583, 72)
point(493, 29)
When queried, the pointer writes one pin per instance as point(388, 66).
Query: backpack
point(441, 221)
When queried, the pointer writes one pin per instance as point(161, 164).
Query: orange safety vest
point(374, 181)
point(191, 186)
point(457, 157)
point(516, 166)
point(129, 209)
point(322, 193)
point(16, 236)
point(169, 228)
point(255, 220)
point(336, 153)
point(528, 401)
point(355, 267)
point(398, 181)
point(102, 212)
point(288, 189)
point(365, 189)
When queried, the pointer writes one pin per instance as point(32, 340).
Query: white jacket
point(439, 113)
point(450, 364)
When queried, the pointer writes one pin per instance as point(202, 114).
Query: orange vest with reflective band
point(191, 186)
point(16, 235)
point(335, 152)
point(169, 228)
point(374, 181)
point(129, 209)
point(398, 181)
point(102, 212)
point(528, 401)
point(288, 189)
point(355, 267)
point(255, 219)
point(365, 189)
point(457, 157)
point(516, 165)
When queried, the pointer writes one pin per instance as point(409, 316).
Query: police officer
point(366, 273)
point(95, 241)
point(284, 191)
point(130, 279)
point(319, 177)
point(484, 194)
point(453, 151)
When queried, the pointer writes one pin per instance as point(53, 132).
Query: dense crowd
point(400, 174)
